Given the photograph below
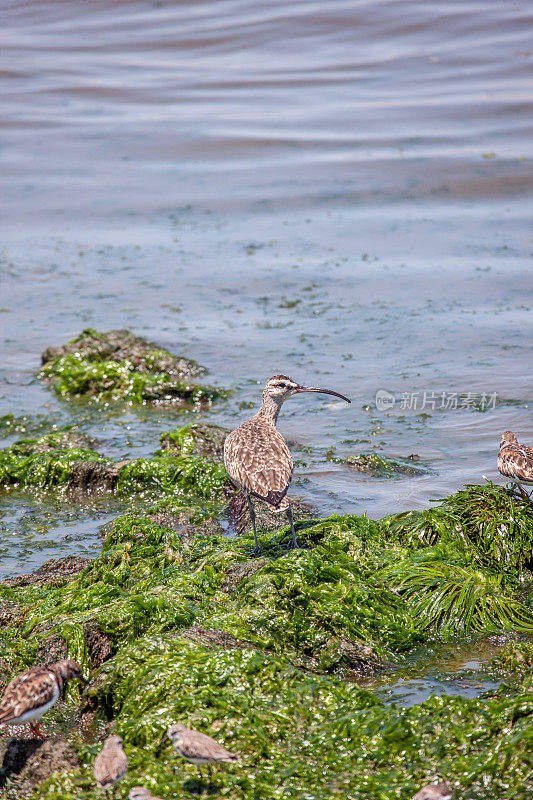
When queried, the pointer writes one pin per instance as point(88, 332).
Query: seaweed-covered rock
point(54, 572)
point(382, 467)
point(118, 365)
point(197, 439)
point(53, 462)
point(30, 762)
point(255, 652)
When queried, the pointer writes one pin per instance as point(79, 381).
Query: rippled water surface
point(338, 191)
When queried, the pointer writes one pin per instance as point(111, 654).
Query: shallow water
point(340, 192)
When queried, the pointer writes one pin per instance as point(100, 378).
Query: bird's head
point(280, 387)
point(113, 741)
point(69, 669)
point(508, 437)
point(175, 732)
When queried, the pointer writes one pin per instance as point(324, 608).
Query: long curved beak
point(322, 391)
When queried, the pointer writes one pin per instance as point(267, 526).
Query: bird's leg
point(295, 542)
point(200, 774)
point(257, 549)
point(210, 773)
point(36, 730)
point(522, 491)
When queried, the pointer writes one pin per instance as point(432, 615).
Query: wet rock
point(239, 572)
point(214, 638)
point(95, 476)
point(123, 345)
point(342, 653)
point(10, 613)
point(118, 365)
point(51, 650)
point(380, 467)
point(198, 439)
point(29, 762)
point(100, 647)
point(64, 440)
point(54, 572)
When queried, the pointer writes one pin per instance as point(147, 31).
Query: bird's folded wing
point(517, 462)
point(109, 767)
point(199, 745)
point(263, 468)
point(33, 689)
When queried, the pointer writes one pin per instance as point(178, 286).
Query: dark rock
point(238, 572)
point(214, 638)
point(51, 650)
point(29, 762)
point(55, 572)
point(266, 520)
point(100, 647)
point(380, 467)
point(91, 476)
point(122, 345)
point(201, 440)
point(353, 656)
point(64, 440)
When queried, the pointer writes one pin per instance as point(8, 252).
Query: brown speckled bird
point(434, 791)
point(28, 696)
point(198, 748)
point(256, 456)
point(516, 461)
point(141, 793)
point(111, 763)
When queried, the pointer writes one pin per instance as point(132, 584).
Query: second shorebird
point(256, 456)
point(516, 461)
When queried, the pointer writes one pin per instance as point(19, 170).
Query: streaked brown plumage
point(29, 695)
point(198, 748)
point(516, 461)
point(434, 791)
point(256, 456)
point(140, 793)
point(111, 763)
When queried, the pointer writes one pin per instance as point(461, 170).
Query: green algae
point(56, 461)
point(118, 366)
point(382, 467)
point(488, 522)
point(286, 630)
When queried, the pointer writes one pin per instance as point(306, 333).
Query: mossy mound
point(118, 365)
point(256, 653)
point(58, 461)
point(197, 439)
point(381, 467)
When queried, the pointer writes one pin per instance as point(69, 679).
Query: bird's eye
point(281, 385)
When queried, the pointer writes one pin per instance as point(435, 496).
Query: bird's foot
point(294, 544)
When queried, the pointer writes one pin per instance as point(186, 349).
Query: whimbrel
point(198, 748)
point(256, 456)
point(29, 695)
point(516, 461)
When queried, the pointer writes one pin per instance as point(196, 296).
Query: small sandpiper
point(140, 793)
point(434, 791)
point(515, 461)
point(198, 748)
point(111, 763)
point(32, 693)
